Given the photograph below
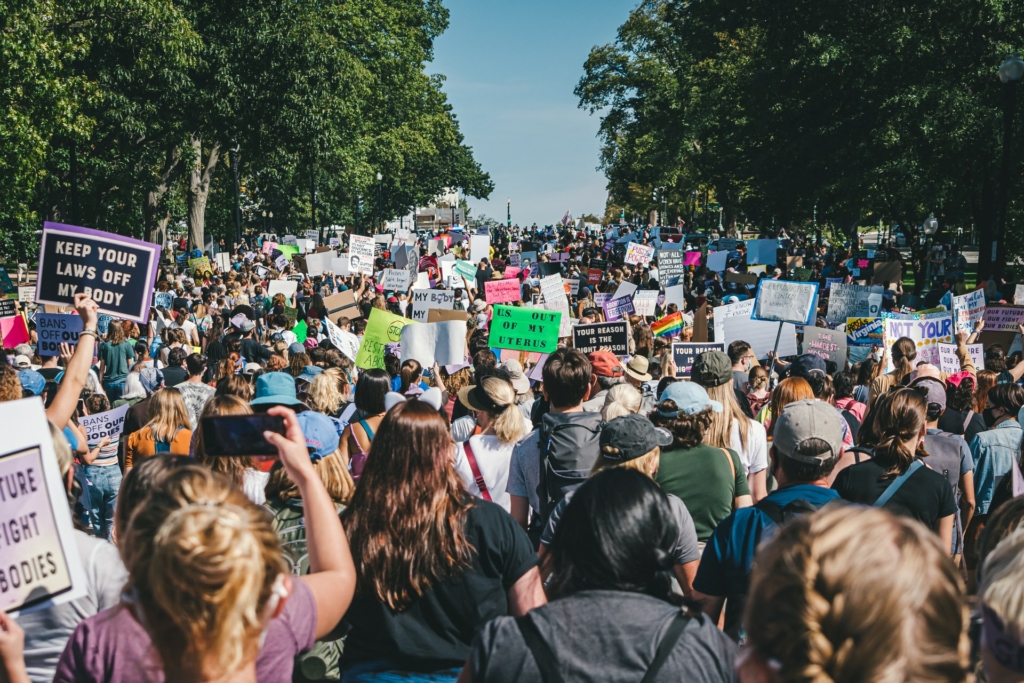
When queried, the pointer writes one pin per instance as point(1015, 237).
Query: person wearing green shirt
point(709, 480)
point(116, 355)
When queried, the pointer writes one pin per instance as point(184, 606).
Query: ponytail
point(904, 352)
point(411, 369)
point(899, 417)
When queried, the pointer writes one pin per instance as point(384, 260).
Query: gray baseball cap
point(804, 420)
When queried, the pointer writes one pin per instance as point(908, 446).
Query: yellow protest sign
point(382, 328)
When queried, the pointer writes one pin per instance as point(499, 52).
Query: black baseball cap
point(631, 436)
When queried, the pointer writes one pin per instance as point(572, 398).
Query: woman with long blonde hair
point(326, 392)
point(169, 429)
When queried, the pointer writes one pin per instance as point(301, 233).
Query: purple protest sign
point(609, 245)
point(117, 272)
point(616, 309)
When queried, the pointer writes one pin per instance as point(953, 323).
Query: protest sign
point(224, 260)
point(395, 279)
point(927, 331)
point(479, 248)
point(342, 265)
point(108, 424)
point(762, 251)
point(1003, 318)
point(760, 335)
point(525, 329)
point(890, 271)
point(1019, 294)
point(864, 331)
point(268, 247)
point(360, 249)
point(502, 291)
point(116, 272)
point(853, 301)
point(555, 300)
point(740, 309)
point(443, 342)
point(590, 338)
point(313, 235)
point(382, 328)
point(829, 281)
point(616, 309)
point(625, 289)
point(639, 254)
point(345, 341)
point(645, 301)
point(286, 287)
point(742, 278)
point(39, 561)
point(594, 276)
point(281, 262)
point(782, 301)
point(670, 266)
point(319, 262)
point(288, 251)
point(515, 260)
point(342, 305)
point(826, 343)
point(675, 295)
point(794, 262)
point(684, 354)
point(13, 331)
point(692, 258)
point(425, 299)
point(163, 300)
point(290, 240)
point(948, 362)
point(467, 270)
point(334, 242)
point(54, 329)
point(717, 260)
point(6, 286)
point(802, 274)
point(968, 309)
point(440, 315)
point(8, 307)
point(26, 294)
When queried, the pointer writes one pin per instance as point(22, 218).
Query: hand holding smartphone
point(240, 435)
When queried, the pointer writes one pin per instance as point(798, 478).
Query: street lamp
point(264, 220)
point(380, 199)
point(931, 225)
point(270, 215)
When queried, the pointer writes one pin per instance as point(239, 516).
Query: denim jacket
point(993, 451)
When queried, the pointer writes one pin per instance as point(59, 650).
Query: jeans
point(383, 671)
point(114, 389)
point(104, 482)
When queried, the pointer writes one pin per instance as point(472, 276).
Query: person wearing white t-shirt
point(487, 455)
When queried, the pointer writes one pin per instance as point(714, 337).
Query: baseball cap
point(310, 372)
point(807, 364)
point(321, 436)
point(519, 380)
point(252, 368)
point(925, 371)
point(956, 378)
point(804, 420)
point(605, 364)
point(932, 388)
point(631, 436)
point(296, 347)
point(22, 362)
point(151, 378)
point(32, 381)
point(690, 398)
point(711, 369)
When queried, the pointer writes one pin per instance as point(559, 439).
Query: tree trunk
point(157, 219)
point(200, 179)
point(986, 217)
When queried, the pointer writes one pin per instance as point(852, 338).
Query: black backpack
point(853, 423)
point(569, 446)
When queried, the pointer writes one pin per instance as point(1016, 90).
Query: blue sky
point(511, 66)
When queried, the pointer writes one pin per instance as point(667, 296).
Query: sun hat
point(638, 368)
point(276, 388)
point(520, 382)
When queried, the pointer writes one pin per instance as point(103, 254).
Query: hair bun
point(663, 559)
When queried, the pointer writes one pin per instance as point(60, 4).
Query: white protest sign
point(740, 309)
point(318, 263)
point(444, 342)
point(624, 290)
point(286, 287)
point(639, 254)
point(759, 334)
point(39, 562)
point(346, 342)
point(26, 294)
point(555, 300)
point(479, 248)
point(785, 301)
point(1019, 294)
point(425, 299)
point(305, 246)
point(280, 262)
point(948, 362)
point(968, 309)
point(645, 301)
point(395, 279)
point(108, 424)
point(926, 331)
point(360, 249)
point(717, 260)
point(853, 301)
point(224, 260)
point(675, 295)
point(341, 265)
point(1003, 318)
point(422, 281)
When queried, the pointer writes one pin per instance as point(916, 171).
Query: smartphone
point(232, 435)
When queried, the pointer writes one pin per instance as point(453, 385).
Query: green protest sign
point(524, 329)
point(466, 269)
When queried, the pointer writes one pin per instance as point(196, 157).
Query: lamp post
point(930, 226)
point(508, 212)
point(238, 208)
point(270, 215)
point(380, 199)
point(264, 220)
point(1010, 72)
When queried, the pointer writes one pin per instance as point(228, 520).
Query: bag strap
point(967, 420)
point(773, 510)
point(540, 650)
point(471, 457)
point(366, 428)
point(732, 468)
point(665, 647)
point(897, 483)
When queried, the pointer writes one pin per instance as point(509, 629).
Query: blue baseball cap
point(321, 437)
point(309, 372)
point(276, 389)
point(32, 381)
point(690, 398)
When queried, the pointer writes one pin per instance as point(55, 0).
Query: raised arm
point(77, 371)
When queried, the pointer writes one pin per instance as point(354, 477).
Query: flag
point(669, 325)
point(567, 218)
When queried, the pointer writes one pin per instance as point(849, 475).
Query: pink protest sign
point(692, 258)
point(14, 331)
point(511, 272)
point(502, 291)
point(269, 247)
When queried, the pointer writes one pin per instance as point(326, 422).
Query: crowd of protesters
point(599, 518)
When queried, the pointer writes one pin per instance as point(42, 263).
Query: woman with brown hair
point(855, 594)
point(116, 355)
point(434, 563)
point(240, 470)
point(904, 353)
point(895, 477)
point(788, 391)
point(986, 380)
point(168, 430)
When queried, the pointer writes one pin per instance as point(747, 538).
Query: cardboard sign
point(890, 271)
point(1003, 318)
point(853, 301)
point(948, 362)
point(826, 343)
point(590, 338)
point(108, 424)
point(346, 342)
point(425, 299)
point(8, 307)
point(440, 315)
point(395, 279)
point(40, 565)
point(443, 342)
point(645, 301)
point(782, 301)
point(616, 309)
point(524, 329)
point(54, 329)
point(117, 272)
point(360, 249)
point(382, 328)
point(684, 354)
point(502, 291)
point(794, 262)
point(639, 254)
point(864, 331)
point(927, 332)
point(742, 278)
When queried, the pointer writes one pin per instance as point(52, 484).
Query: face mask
point(990, 417)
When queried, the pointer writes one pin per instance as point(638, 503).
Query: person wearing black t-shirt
point(894, 474)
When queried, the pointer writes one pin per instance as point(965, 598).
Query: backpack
point(163, 446)
point(569, 446)
point(323, 661)
point(853, 423)
point(783, 514)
